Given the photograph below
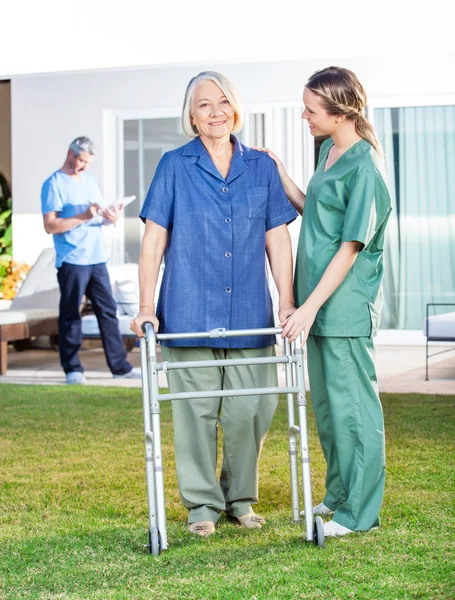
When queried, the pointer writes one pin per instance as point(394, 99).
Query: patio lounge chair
point(34, 310)
point(438, 328)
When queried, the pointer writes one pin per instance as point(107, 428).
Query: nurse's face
point(211, 112)
point(319, 120)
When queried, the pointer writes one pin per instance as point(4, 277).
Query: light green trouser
point(350, 423)
point(245, 422)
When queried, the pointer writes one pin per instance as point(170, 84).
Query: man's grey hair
point(82, 144)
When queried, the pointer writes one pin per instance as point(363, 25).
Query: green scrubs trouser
point(245, 421)
point(350, 424)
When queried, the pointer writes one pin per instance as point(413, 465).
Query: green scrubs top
point(348, 202)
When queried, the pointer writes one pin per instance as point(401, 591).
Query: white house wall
point(48, 111)
point(5, 131)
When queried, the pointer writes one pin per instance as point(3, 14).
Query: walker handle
point(145, 325)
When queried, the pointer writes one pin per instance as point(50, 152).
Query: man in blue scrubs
point(71, 206)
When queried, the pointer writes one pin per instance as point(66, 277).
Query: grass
point(73, 511)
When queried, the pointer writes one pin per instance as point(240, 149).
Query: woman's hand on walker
point(143, 316)
point(299, 322)
point(285, 310)
point(273, 156)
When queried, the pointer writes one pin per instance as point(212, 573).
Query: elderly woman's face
point(211, 112)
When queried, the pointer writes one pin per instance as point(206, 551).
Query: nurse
point(337, 287)
point(215, 209)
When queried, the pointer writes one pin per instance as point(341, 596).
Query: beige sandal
point(202, 528)
point(252, 521)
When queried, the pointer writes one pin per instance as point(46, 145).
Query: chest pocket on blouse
point(257, 202)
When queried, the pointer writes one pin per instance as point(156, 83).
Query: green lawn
point(73, 511)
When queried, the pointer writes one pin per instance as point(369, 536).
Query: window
point(419, 145)
point(144, 143)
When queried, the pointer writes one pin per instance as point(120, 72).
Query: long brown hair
point(341, 93)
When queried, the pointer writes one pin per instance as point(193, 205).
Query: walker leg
point(148, 439)
point(292, 429)
point(304, 449)
point(152, 372)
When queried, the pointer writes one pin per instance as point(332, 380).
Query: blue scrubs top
point(215, 267)
point(68, 197)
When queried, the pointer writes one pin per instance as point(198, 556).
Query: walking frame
point(292, 358)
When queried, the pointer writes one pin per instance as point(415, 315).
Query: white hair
point(82, 144)
point(228, 90)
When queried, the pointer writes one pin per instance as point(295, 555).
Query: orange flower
point(12, 274)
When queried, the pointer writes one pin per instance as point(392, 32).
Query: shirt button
point(225, 189)
point(227, 220)
point(227, 254)
point(228, 290)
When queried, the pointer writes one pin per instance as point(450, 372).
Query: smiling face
point(211, 112)
point(319, 120)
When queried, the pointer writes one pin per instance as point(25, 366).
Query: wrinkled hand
point(273, 156)
point(299, 322)
point(111, 214)
point(285, 310)
point(142, 317)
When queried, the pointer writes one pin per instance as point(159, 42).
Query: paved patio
point(401, 369)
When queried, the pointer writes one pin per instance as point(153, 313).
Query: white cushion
point(125, 287)
point(40, 287)
point(126, 294)
point(12, 316)
point(441, 326)
point(7, 317)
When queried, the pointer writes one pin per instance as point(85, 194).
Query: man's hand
point(92, 211)
point(111, 214)
point(143, 316)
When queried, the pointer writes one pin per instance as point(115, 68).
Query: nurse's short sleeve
point(367, 207)
point(279, 210)
point(159, 203)
point(51, 199)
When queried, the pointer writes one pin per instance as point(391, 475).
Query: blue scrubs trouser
point(75, 281)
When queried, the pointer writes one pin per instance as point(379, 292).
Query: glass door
point(144, 143)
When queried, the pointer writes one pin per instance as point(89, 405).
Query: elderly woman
point(215, 208)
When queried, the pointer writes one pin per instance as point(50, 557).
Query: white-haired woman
point(215, 208)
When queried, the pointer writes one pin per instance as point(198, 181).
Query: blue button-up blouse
point(215, 269)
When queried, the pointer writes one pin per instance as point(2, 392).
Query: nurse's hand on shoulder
point(300, 322)
point(273, 156)
point(143, 316)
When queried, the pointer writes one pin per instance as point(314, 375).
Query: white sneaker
point(333, 529)
point(135, 373)
point(320, 509)
point(75, 378)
